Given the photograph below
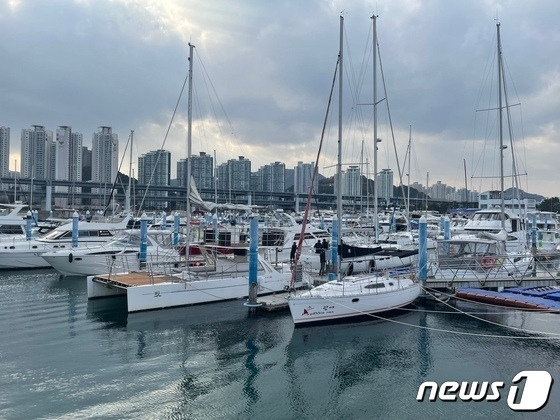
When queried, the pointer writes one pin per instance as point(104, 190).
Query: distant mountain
point(511, 193)
point(289, 180)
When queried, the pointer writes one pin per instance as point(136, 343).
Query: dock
point(275, 302)
point(537, 298)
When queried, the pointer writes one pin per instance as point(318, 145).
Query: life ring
point(487, 262)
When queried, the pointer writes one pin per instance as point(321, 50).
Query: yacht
point(120, 254)
point(27, 253)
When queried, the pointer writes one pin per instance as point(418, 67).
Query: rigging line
point(206, 77)
point(217, 96)
point(464, 333)
point(315, 170)
point(511, 138)
point(164, 141)
point(492, 322)
point(356, 83)
point(110, 197)
point(391, 125)
point(521, 120)
point(493, 305)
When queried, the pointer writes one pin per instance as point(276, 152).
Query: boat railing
point(118, 263)
point(492, 267)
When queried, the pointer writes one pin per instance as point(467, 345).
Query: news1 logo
point(533, 396)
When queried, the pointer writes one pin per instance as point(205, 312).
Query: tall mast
point(127, 203)
point(15, 183)
point(215, 182)
point(339, 163)
point(375, 186)
point(189, 141)
point(500, 112)
point(466, 190)
point(408, 177)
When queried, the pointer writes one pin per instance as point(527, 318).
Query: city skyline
point(62, 161)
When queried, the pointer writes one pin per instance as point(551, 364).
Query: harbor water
point(64, 357)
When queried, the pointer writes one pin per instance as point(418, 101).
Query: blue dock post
point(253, 264)
point(534, 245)
point(176, 224)
point(423, 251)
point(215, 226)
point(534, 234)
point(28, 221)
point(75, 229)
point(333, 274)
point(163, 220)
point(446, 233)
point(143, 238)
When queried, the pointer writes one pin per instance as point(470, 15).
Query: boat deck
point(140, 278)
point(524, 297)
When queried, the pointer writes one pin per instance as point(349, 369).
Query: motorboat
point(27, 253)
point(120, 254)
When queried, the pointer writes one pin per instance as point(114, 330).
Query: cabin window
point(11, 229)
point(375, 286)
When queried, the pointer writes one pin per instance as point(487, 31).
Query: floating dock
point(545, 298)
point(275, 302)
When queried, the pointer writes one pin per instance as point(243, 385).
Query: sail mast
point(408, 178)
point(375, 189)
point(500, 125)
point(128, 196)
point(189, 141)
point(339, 162)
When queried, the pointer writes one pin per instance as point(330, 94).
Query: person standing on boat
point(293, 254)
point(325, 249)
point(318, 246)
point(322, 259)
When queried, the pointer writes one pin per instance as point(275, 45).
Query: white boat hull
point(180, 293)
point(28, 254)
point(309, 307)
point(73, 264)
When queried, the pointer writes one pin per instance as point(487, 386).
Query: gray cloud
point(122, 63)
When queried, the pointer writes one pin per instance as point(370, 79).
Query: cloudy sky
point(262, 75)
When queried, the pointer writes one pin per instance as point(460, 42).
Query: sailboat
point(351, 296)
point(494, 242)
point(209, 278)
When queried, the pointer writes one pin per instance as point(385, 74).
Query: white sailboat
point(493, 243)
point(213, 279)
point(352, 296)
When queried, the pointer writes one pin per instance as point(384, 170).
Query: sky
point(262, 73)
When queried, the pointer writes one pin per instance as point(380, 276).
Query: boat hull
point(74, 264)
point(312, 309)
point(181, 293)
